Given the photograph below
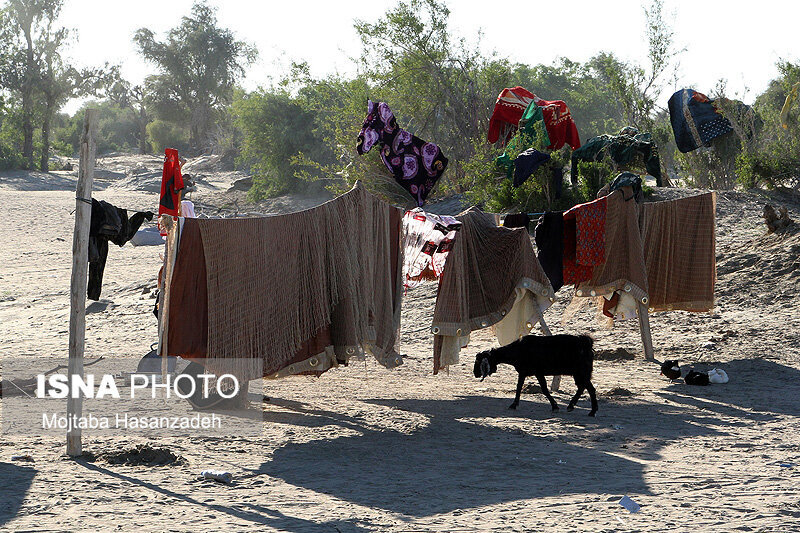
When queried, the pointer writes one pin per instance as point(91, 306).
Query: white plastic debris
point(217, 475)
point(717, 375)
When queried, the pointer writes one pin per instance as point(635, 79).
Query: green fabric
point(530, 125)
point(622, 149)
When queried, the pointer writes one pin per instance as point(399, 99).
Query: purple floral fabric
point(415, 164)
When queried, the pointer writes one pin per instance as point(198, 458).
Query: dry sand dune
point(367, 449)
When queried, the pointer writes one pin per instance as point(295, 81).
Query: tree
point(277, 130)
point(132, 98)
point(59, 82)
point(199, 64)
point(31, 21)
point(440, 88)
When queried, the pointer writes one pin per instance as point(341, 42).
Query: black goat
point(533, 355)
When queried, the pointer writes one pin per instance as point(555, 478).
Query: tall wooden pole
point(644, 327)
point(80, 267)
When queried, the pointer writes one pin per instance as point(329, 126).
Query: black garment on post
point(520, 220)
point(108, 223)
point(549, 237)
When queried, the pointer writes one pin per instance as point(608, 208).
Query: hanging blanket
point(621, 149)
point(623, 267)
point(491, 274)
point(680, 252)
point(508, 109)
point(427, 240)
point(695, 120)
point(415, 164)
point(561, 128)
point(291, 294)
point(584, 240)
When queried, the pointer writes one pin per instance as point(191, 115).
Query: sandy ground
point(367, 449)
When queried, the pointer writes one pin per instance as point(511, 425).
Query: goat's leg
point(520, 382)
point(543, 385)
point(590, 388)
point(577, 396)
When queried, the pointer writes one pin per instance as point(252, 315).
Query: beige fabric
point(489, 269)
point(274, 282)
point(679, 242)
point(624, 267)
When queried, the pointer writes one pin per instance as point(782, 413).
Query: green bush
point(592, 176)
point(162, 134)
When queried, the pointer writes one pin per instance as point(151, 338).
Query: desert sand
point(363, 448)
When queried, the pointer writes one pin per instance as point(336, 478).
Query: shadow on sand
point(16, 482)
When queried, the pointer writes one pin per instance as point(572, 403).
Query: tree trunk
point(27, 132)
point(27, 102)
point(45, 161)
point(142, 130)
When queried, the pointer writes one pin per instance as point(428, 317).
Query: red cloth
point(508, 109)
point(558, 120)
point(584, 240)
point(171, 186)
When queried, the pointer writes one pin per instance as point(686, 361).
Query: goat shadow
point(16, 482)
point(437, 468)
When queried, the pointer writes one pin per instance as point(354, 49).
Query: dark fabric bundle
point(695, 120)
point(696, 378)
point(108, 223)
point(415, 164)
point(621, 149)
point(526, 164)
point(549, 237)
point(517, 220)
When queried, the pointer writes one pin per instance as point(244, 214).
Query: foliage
point(593, 175)
point(162, 134)
point(199, 63)
point(276, 129)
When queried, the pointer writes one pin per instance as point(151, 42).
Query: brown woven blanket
point(479, 284)
point(624, 267)
point(295, 292)
point(680, 252)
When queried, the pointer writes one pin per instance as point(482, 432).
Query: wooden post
point(644, 327)
point(80, 267)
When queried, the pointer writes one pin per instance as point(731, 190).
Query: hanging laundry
point(289, 294)
point(622, 149)
point(508, 109)
point(695, 120)
point(561, 129)
point(427, 241)
point(549, 238)
point(492, 277)
point(171, 185)
point(187, 209)
point(532, 134)
point(584, 240)
point(679, 242)
point(622, 268)
point(526, 164)
point(517, 220)
point(415, 164)
point(108, 223)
